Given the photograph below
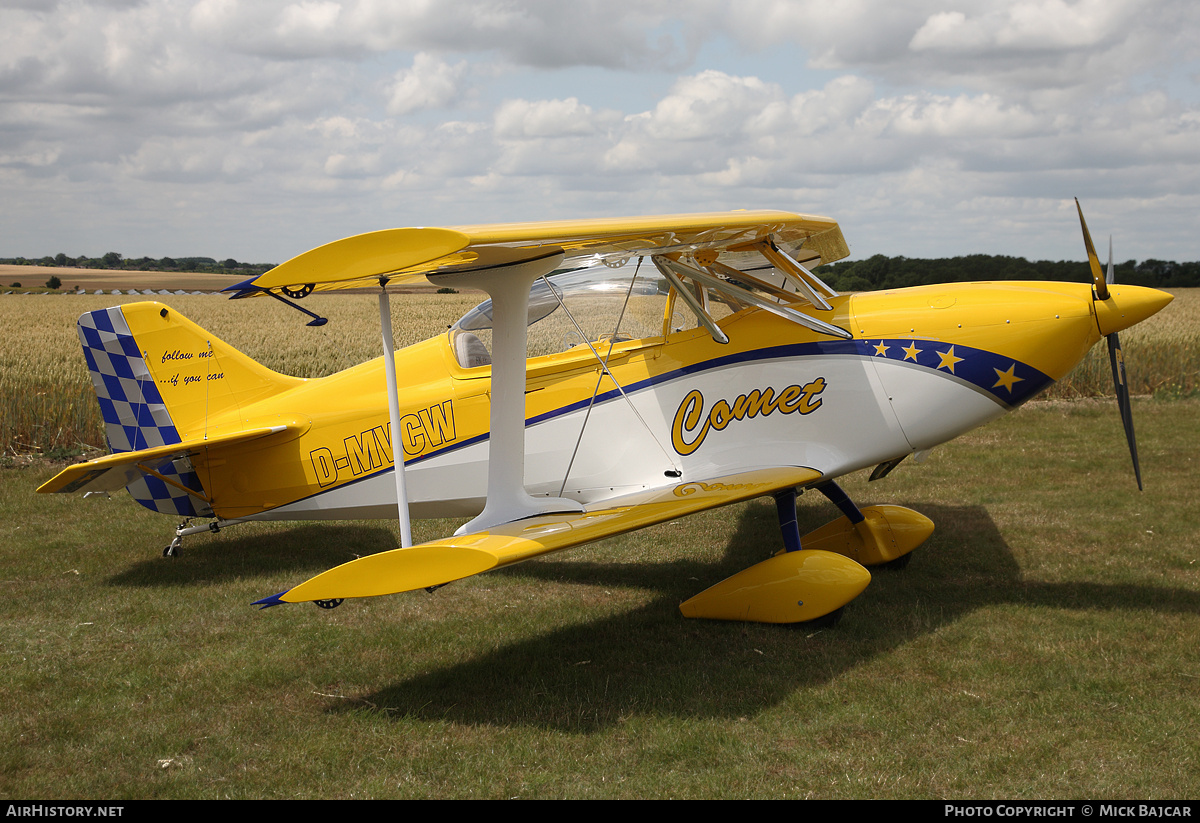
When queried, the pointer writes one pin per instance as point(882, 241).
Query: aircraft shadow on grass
point(305, 548)
point(651, 660)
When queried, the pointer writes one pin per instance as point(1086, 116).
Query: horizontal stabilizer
point(115, 471)
point(443, 561)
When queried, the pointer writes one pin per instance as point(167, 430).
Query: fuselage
point(923, 366)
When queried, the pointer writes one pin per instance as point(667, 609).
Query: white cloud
point(431, 83)
point(975, 117)
point(1008, 46)
point(1030, 26)
point(526, 119)
point(542, 33)
point(308, 19)
point(708, 104)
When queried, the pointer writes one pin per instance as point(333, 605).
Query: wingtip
point(244, 285)
point(268, 602)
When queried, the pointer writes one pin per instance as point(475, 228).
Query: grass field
point(1042, 644)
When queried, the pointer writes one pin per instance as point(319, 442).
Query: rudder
point(135, 416)
point(161, 379)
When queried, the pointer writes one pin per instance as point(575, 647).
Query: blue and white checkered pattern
point(135, 416)
point(154, 494)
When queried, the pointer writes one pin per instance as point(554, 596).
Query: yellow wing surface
point(443, 561)
point(406, 255)
point(115, 471)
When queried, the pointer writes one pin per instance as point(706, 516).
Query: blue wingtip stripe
point(268, 602)
point(129, 346)
point(247, 285)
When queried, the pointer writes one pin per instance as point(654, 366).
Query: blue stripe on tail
point(135, 416)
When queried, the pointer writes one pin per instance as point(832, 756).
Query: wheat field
point(48, 405)
point(47, 401)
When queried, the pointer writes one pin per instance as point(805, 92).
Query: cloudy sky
point(257, 129)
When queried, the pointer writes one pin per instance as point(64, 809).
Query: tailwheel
point(329, 604)
point(172, 549)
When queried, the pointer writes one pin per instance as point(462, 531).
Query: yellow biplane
point(624, 372)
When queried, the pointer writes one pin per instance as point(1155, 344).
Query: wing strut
point(666, 265)
point(807, 284)
point(389, 368)
point(508, 281)
point(708, 278)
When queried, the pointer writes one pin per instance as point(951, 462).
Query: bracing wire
point(604, 371)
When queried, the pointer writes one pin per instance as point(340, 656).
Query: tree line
point(882, 272)
point(114, 260)
point(877, 272)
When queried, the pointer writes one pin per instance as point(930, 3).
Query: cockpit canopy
point(571, 307)
point(598, 303)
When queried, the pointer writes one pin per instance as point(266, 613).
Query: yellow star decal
point(948, 360)
point(881, 349)
point(1006, 378)
point(911, 351)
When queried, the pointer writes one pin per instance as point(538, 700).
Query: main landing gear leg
point(785, 507)
point(839, 498)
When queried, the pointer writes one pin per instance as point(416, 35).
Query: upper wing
point(405, 255)
point(443, 561)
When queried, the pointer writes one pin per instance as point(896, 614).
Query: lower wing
point(443, 561)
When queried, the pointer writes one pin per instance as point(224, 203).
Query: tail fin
point(161, 379)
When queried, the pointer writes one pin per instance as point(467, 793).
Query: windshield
point(602, 303)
